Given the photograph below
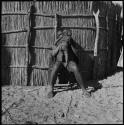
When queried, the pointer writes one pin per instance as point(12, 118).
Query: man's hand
point(65, 64)
point(55, 50)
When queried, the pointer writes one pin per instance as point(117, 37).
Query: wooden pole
point(56, 26)
point(97, 32)
point(107, 58)
point(28, 41)
point(95, 70)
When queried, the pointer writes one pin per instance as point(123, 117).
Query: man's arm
point(55, 50)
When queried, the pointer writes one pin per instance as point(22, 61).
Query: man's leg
point(53, 77)
point(72, 67)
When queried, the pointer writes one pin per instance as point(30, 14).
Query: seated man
point(65, 47)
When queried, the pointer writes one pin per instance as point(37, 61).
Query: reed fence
point(29, 30)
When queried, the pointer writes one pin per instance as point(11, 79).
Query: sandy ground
point(21, 104)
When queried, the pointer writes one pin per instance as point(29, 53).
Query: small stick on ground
point(68, 107)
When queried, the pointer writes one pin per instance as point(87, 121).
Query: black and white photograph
point(61, 62)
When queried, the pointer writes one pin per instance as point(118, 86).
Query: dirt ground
point(22, 104)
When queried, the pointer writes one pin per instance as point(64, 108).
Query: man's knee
point(56, 66)
point(73, 67)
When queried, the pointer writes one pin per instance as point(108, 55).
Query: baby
point(62, 47)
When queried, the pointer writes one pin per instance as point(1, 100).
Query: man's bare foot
point(50, 94)
point(86, 94)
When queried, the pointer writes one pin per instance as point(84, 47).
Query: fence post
point(28, 41)
point(107, 58)
point(31, 42)
point(56, 25)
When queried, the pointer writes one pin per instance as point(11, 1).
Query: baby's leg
point(66, 58)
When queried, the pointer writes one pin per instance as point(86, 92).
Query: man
point(64, 55)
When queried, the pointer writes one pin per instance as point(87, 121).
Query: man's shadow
point(31, 43)
point(5, 63)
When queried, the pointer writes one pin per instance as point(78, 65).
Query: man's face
point(67, 32)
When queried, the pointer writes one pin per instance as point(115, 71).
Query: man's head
point(59, 34)
point(64, 35)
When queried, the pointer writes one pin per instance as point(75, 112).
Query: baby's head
point(64, 35)
point(67, 32)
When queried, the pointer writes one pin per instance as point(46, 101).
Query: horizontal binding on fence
point(14, 31)
point(14, 46)
point(24, 46)
point(42, 28)
point(68, 27)
point(47, 47)
point(46, 15)
point(14, 13)
point(34, 67)
point(53, 16)
point(89, 28)
point(47, 27)
point(50, 15)
point(39, 47)
point(23, 66)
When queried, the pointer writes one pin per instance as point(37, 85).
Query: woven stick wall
point(24, 62)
